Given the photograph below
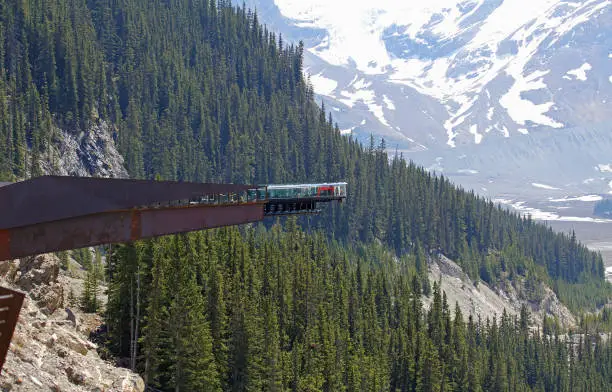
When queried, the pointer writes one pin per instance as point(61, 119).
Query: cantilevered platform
point(50, 213)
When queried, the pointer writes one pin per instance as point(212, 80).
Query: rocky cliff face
point(484, 301)
point(91, 153)
point(48, 351)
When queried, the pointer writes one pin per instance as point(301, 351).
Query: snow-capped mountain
point(437, 78)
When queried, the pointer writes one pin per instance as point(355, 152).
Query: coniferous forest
point(283, 310)
point(200, 91)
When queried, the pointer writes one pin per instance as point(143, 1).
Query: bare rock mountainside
point(457, 85)
point(486, 302)
point(49, 350)
point(89, 153)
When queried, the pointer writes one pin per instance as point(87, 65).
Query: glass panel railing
point(306, 191)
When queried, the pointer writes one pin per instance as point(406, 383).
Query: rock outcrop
point(89, 153)
point(486, 301)
point(550, 306)
point(48, 351)
point(477, 300)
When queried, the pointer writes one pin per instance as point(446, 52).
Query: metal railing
point(249, 196)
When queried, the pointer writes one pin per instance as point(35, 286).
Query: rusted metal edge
point(123, 226)
point(52, 198)
point(10, 306)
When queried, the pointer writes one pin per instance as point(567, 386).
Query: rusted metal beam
point(52, 213)
point(10, 305)
point(49, 214)
point(52, 198)
point(121, 226)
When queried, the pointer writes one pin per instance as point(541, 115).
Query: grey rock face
point(47, 351)
point(37, 270)
point(480, 299)
point(92, 153)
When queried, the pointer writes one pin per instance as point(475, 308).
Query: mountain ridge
point(500, 70)
point(454, 77)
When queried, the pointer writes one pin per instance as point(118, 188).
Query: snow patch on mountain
point(377, 110)
point(538, 214)
point(323, 85)
point(522, 110)
point(474, 131)
point(360, 84)
point(543, 186)
point(350, 99)
point(467, 171)
point(578, 73)
point(366, 97)
point(605, 168)
point(388, 103)
point(586, 198)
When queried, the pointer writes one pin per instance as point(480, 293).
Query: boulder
point(77, 376)
point(36, 381)
point(52, 340)
point(9, 269)
point(37, 270)
point(130, 383)
point(48, 297)
point(75, 343)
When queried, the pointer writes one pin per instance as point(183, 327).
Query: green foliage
point(64, 263)
point(83, 257)
point(600, 322)
point(91, 285)
point(273, 310)
point(200, 91)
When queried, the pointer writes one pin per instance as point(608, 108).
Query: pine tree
point(191, 361)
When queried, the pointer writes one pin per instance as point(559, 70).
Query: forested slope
point(283, 310)
point(200, 91)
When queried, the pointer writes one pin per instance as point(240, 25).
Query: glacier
point(450, 50)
